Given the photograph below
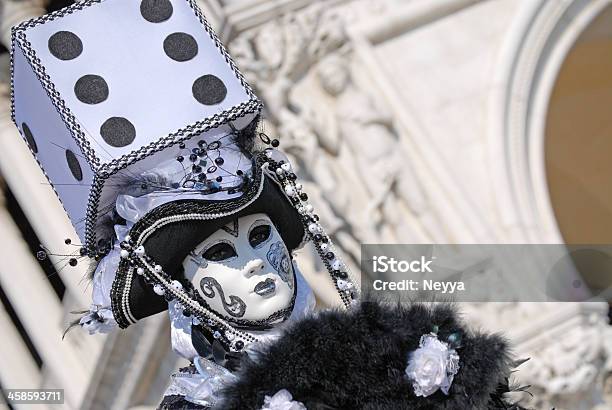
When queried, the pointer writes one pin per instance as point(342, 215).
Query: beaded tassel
point(337, 269)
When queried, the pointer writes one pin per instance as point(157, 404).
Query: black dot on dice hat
point(65, 45)
point(74, 166)
point(156, 11)
point(27, 133)
point(118, 132)
point(91, 89)
point(209, 90)
point(180, 46)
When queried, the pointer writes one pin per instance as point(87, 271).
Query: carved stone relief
point(341, 137)
point(347, 148)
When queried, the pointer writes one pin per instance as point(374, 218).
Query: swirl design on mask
point(236, 307)
point(279, 259)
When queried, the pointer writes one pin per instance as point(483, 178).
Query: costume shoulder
point(358, 360)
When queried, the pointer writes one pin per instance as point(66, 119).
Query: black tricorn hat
point(172, 230)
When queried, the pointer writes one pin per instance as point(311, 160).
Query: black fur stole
point(357, 359)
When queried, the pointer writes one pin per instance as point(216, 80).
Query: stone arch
point(531, 58)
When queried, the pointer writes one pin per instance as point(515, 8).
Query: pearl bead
point(195, 321)
point(158, 268)
point(298, 186)
point(336, 265)
point(279, 171)
point(286, 167)
point(124, 253)
point(140, 250)
point(229, 336)
point(313, 228)
point(140, 271)
point(309, 208)
point(177, 285)
point(216, 335)
point(290, 190)
point(340, 274)
point(344, 285)
point(158, 289)
point(324, 247)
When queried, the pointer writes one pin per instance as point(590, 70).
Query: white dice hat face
point(243, 271)
point(133, 71)
point(102, 88)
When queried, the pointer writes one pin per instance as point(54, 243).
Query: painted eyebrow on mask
point(233, 225)
point(258, 222)
point(234, 229)
point(231, 228)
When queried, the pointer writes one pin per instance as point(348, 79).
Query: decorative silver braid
point(205, 315)
point(340, 273)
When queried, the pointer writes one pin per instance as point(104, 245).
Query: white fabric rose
point(282, 400)
point(432, 366)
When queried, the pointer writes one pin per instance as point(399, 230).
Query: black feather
point(201, 343)
point(218, 353)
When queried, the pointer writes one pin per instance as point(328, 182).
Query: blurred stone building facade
point(410, 121)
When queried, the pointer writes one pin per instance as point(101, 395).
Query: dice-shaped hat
point(103, 91)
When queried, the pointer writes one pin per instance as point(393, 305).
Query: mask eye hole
point(219, 252)
point(259, 235)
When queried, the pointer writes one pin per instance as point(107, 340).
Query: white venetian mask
point(244, 271)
